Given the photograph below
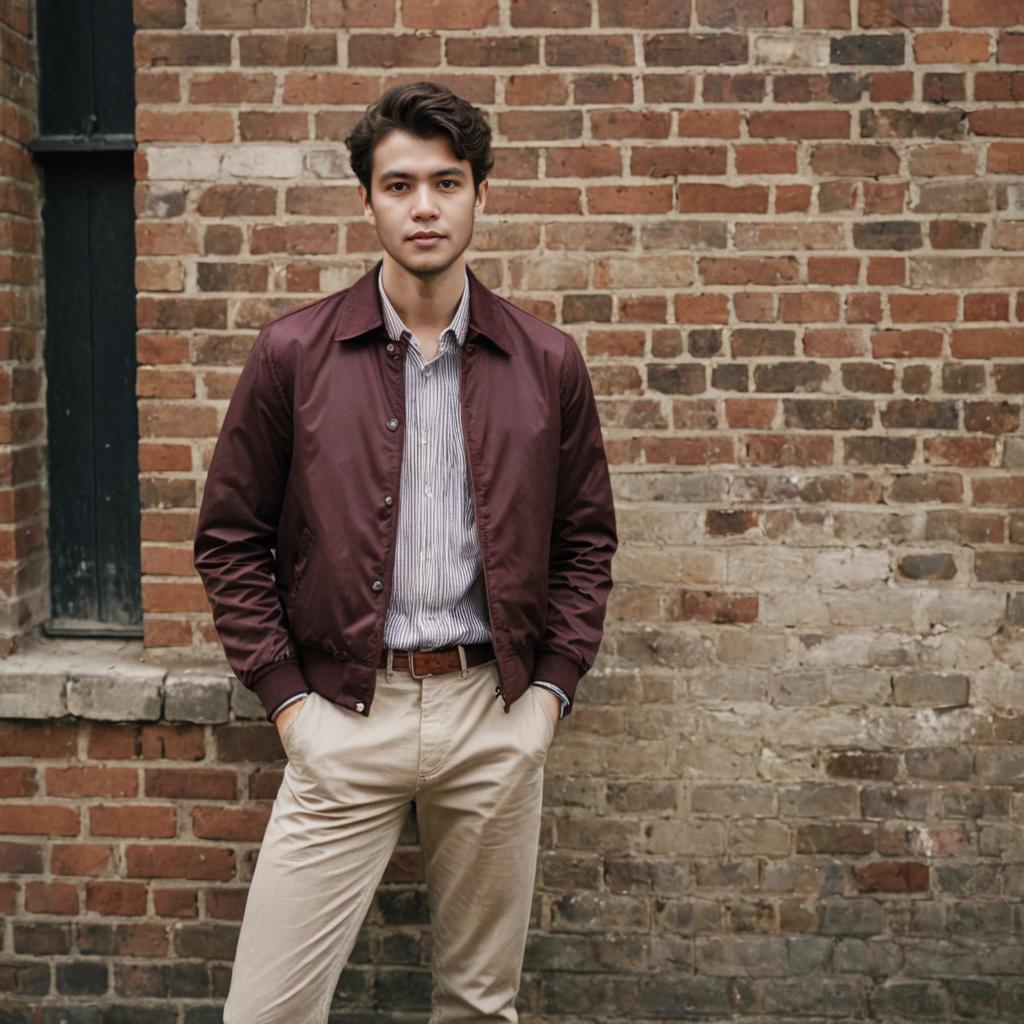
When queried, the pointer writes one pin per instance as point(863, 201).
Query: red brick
point(536, 90)
point(670, 161)
point(629, 199)
point(709, 606)
point(603, 88)
point(251, 13)
point(923, 307)
point(1008, 13)
point(195, 784)
point(998, 121)
point(39, 819)
point(541, 124)
point(156, 49)
point(951, 48)
point(184, 126)
point(449, 14)
point(140, 820)
point(723, 199)
point(622, 343)
point(891, 876)
point(704, 124)
point(158, 13)
point(544, 200)
point(352, 13)
point(674, 88)
point(578, 50)
point(583, 161)
point(232, 87)
point(389, 51)
point(177, 860)
point(18, 780)
point(799, 124)
point(807, 307)
point(235, 824)
point(766, 159)
point(174, 597)
point(90, 780)
point(112, 898)
point(910, 344)
point(178, 902)
point(268, 126)
point(985, 342)
point(303, 239)
point(326, 87)
point(642, 14)
point(51, 898)
point(629, 124)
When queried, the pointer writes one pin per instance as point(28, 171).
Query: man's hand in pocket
point(285, 715)
point(552, 704)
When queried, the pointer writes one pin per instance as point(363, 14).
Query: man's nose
point(425, 202)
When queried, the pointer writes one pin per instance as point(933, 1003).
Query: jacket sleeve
point(583, 537)
point(237, 530)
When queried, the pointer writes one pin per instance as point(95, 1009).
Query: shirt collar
point(394, 325)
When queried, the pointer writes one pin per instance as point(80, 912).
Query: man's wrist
point(288, 700)
point(558, 692)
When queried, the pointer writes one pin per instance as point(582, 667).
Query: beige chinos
point(476, 775)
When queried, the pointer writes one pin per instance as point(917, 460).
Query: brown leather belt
point(436, 662)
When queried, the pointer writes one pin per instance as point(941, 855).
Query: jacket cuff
point(564, 672)
point(562, 696)
point(283, 679)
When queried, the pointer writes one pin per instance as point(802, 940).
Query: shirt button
point(360, 706)
point(391, 423)
point(377, 585)
point(388, 500)
point(391, 346)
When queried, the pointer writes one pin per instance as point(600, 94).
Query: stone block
point(197, 696)
point(123, 694)
point(26, 694)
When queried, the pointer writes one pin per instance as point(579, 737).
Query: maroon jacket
point(295, 541)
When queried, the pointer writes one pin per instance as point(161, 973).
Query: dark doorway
point(85, 154)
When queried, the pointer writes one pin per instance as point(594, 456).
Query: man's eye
point(448, 181)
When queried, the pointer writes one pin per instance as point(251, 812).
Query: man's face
point(421, 202)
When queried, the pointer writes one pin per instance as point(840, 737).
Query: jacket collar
point(361, 312)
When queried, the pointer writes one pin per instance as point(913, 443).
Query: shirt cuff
point(288, 700)
point(557, 691)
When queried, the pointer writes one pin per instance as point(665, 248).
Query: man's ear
point(364, 199)
point(481, 198)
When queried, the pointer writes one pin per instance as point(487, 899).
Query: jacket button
point(360, 706)
point(392, 423)
point(376, 585)
point(388, 500)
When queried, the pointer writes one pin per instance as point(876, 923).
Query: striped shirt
point(438, 597)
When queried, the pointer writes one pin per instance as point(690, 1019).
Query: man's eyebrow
point(444, 172)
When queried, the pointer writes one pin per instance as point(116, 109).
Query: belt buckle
point(412, 668)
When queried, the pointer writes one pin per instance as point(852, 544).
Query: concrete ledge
point(117, 681)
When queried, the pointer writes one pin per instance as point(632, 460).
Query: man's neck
point(425, 304)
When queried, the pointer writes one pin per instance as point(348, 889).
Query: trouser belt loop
point(388, 669)
point(462, 661)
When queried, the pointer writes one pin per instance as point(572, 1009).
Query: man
point(406, 538)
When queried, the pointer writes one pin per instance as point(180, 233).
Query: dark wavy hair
point(426, 110)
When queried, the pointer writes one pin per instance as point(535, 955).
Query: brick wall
point(24, 567)
point(789, 240)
